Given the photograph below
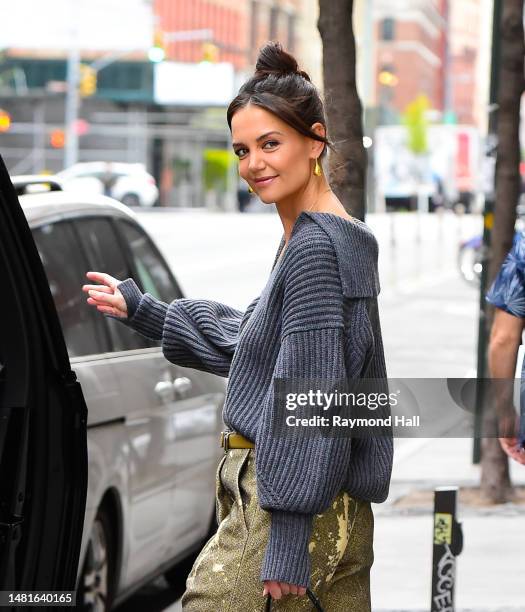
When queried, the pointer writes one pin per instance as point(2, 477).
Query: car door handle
point(182, 384)
point(165, 390)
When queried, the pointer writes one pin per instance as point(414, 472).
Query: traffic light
point(157, 51)
point(5, 120)
point(57, 139)
point(210, 52)
point(88, 80)
point(388, 78)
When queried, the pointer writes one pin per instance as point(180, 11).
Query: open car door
point(43, 446)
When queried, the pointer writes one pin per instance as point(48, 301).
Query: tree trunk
point(348, 164)
point(495, 480)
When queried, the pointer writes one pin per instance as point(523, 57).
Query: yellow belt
point(232, 439)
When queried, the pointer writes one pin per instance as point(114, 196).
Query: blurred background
point(146, 83)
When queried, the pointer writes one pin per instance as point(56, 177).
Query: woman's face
point(274, 158)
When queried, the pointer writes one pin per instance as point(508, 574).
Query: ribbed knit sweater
point(316, 318)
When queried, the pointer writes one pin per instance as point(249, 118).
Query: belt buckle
point(224, 440)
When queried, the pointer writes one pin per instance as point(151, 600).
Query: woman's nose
point(255, 163)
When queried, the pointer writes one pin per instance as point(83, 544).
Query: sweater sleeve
point(300, 473)
point(200, 334)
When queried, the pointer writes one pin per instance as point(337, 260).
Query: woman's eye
point(270, 142)
point(239, 152)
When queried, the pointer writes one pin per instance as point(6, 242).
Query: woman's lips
point(266, 181)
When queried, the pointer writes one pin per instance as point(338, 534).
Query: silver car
point(153, 427)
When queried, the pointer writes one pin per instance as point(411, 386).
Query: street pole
point(487, 226)
point(72, 97)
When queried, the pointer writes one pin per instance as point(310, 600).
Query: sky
point(109, 25)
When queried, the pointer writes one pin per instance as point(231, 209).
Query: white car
point(153, 427)
point(128, 183)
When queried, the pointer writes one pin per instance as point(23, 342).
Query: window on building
point(388, 28)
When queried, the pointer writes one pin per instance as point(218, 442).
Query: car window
point(152, 272)
point(104, 253)
point(84, 330)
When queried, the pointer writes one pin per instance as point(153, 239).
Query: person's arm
point(507, 294)
point(299, 474)
point(199, 334)
point(195, 333)
point(505, 339)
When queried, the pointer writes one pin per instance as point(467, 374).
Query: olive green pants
point(226, 575)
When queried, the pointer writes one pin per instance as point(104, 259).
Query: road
point(428, 314)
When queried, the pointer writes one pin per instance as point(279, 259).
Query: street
point(429, 321)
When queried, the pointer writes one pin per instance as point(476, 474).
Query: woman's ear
point(317, 145)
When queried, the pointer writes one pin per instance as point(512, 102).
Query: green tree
point(414, 118)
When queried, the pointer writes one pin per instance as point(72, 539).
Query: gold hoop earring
point(250, 189)
point(317, 168)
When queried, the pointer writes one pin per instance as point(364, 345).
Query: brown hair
point(279, 87)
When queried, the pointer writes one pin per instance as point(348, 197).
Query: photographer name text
point(339, 421)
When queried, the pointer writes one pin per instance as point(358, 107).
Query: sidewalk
point(430, 330)
point(490, 568)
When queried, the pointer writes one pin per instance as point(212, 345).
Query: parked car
point(127, 183)
point(152, 426)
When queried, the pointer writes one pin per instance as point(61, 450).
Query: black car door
point(43, 448)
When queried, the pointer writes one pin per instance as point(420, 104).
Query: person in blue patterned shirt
point(507, 294)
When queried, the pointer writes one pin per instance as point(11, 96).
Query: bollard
point(448, 544)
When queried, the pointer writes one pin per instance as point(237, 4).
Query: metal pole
point(487, 226)
point(39, 143)
point(448, 544)
point(72, 97)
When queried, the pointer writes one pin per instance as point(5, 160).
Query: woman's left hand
point(278, 589)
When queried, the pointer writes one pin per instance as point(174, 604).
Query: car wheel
point(96, 580)
point(130, 199)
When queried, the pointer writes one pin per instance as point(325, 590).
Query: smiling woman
point(293, 508)
point(278, 129)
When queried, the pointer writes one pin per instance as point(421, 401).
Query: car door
point(87, 340)
point(138, 366)
point(190, 401)
point(43, 450)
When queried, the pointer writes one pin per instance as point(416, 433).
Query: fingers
point(103, 278)
point(275, 589)
point(285, 588)
point(512, 449)
point(109, 310)
point(102, 288)
point(103, 298)
point(278, 589)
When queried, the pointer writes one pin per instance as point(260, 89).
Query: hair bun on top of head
point(273, 59)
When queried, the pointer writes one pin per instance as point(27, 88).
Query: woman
point(293, 506)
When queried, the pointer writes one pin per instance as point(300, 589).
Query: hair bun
point(273, 59)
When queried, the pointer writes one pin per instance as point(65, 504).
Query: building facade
point(409, 54)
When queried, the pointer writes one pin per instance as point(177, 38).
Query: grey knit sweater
point(316, 318)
